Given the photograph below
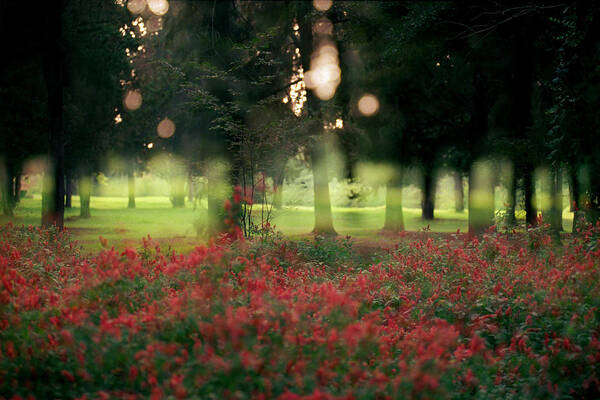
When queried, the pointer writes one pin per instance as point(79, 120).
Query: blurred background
point(127, 118)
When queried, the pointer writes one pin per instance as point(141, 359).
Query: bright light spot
point(323, 27)
point(324, 75)
point(133, 100)
point(139, 22)
point(150, 145)
point(118, 119)
point(166, 128)
point(296, 26)
point(136, 6)
point(368, 105)
point(329, 126)
point(154, 24)
point(437, 64)
point(158, 7)
point(297, 89)
point(322, 5)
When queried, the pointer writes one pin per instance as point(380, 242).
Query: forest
point(299, 199)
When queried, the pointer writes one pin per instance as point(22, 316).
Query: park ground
point(176, 228)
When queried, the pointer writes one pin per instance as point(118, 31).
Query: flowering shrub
point(493, 318)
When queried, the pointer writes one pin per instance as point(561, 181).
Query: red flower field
point(504, 316)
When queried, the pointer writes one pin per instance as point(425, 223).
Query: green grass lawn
point(174, 227)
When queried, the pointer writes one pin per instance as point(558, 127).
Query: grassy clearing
point(174, 227)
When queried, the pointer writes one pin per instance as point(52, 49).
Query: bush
point(493, 318)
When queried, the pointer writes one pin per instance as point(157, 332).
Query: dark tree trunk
point(68, 191)
point(323, 217)
point(8, 204)
point(529, 190)
point(557, 202)
point(278, 191)
point(573, 189)
point(459, 193)
point(394, 216)
point(574, 192)
point(131, 188)
point(85, 193)
point(593, 212)
point(428, 201)
point(511, 209)
point(17, 185)
point(53, 60)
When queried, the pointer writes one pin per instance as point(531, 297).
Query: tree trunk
point(481, 197)
point(573, 198)
point(8, 205)
point(529, 190)
point(217, 190)
point(53, 60)
point(428, 201)
point(557, 202)
point(85, 193)
point(68, 191)
point(459, 194)
point(191, 188)
point(278, 190)
point(574, 192)
point(17, 186)
point(323, 217)
point(178, 192)
point(511, 217)
point(593, 211)
point(394, 217)
point(131, 188)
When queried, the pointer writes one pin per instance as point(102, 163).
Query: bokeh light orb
point(322, 5)
point(132, 100)
point(368, 105)
point(136, 6)
point(166, 128)
point(158, 7)
point(323, 27)
point(154, 24)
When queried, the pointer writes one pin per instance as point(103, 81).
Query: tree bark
point(394, 216)
point(481, 197)
point(459, 194)
point(575, 192)
point(557, 201)
point(529, 190)
point(8, 205)
point(511, 209)
point(85, 193)
point(53, 60)
point(217, 191)
point(428, 201)
point(323, 217)
point(573, 198)
point(68, 191)
point(131, 188)
point(278, 190)
point(17, 185)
